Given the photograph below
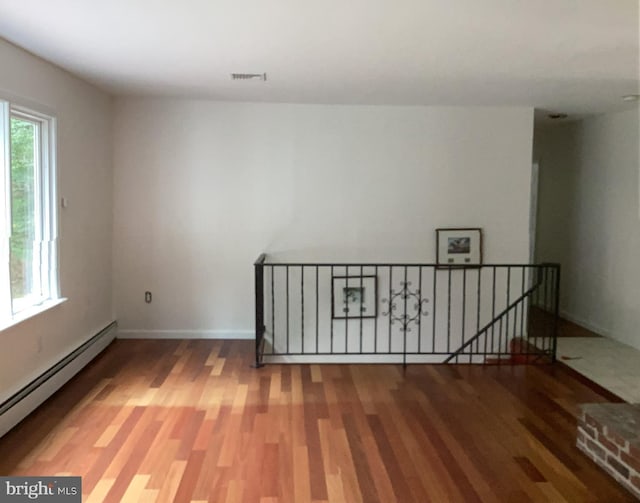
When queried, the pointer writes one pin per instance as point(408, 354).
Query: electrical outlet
point(147, 297)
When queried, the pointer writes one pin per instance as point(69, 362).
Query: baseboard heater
point(21, 404)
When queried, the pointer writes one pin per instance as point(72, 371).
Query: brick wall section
point(609, 433)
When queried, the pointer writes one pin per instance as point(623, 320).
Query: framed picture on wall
point(354, 297)
point(461, 247)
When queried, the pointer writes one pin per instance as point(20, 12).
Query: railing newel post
point(259, 308)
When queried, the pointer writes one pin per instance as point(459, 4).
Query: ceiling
point(572, 56)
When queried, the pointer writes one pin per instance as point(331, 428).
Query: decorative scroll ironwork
point(407, 298)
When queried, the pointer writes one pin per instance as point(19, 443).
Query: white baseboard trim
point(185, 334)
point(578, 320)
point(25, 401)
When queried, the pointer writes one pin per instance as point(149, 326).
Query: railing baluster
point(390, 303)
point(449, 312)
point(405, 319)
point(500, 339)
point(273, 313)
point(287, 288)
point(420, 314)
point(493, 308)
point(511, 333)
point(433, 332)
point(361, 306)
point(506, 333)
point(519, 313)
point(346, 313)
point(333, 304)
point(479, 293)
point(302, 306)
point(536, 303)
point(317, 311)
point(523, 343)
point(546, 307)
point(524, 308)
point(553, 286)
point(464, 302)
point(486, 341)
point(375, 324)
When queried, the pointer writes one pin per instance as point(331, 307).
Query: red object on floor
point(517, 347)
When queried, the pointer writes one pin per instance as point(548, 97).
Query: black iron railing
point(405, 313)
point(259, 291)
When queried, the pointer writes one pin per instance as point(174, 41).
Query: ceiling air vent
point(249, 76)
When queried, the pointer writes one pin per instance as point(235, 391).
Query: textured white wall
point(589, 220)
point(85, 178)
point(202, 188)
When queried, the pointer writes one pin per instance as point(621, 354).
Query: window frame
point(45, 211)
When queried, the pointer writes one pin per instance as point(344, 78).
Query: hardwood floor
point(160, 421)
point(541, 321)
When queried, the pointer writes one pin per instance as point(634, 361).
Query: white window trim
point(5, 207)
point(46, 205)
point(32, 311)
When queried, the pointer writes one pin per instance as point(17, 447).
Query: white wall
point(85, 178)
point(202, 188)
point(589, 220)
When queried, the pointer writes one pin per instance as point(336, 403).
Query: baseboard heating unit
point(26, 400)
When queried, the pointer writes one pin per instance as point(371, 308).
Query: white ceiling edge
point(572, 56)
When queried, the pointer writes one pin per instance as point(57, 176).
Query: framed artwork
point(354, 297)
point(459, 247)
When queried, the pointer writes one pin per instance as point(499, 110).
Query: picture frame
point(354, 297)
point(459, 247)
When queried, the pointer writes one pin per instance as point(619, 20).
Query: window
point(28, 258)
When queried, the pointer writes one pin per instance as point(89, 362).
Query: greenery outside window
point(28, 255)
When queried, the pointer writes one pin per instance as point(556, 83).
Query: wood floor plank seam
point(190, 421)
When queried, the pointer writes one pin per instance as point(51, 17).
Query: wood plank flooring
point(190, 421)
point(542, 321)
